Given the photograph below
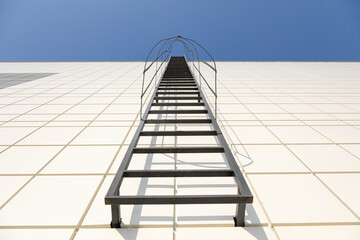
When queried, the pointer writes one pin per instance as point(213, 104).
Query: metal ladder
point(177, 81)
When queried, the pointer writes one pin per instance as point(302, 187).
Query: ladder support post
point(115, 216)
point(240, 215)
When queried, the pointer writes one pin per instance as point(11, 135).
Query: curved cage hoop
point(191, 54)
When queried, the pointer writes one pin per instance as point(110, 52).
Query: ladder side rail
point(116, 183)
point(243, 188)
point(231, 160)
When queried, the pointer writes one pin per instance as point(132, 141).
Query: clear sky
point(125, 30)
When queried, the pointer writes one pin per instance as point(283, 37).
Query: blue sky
point(125, 30)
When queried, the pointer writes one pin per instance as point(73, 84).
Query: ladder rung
point(177, 74)
point(177, 81)
point(172, 78)
point(177, 78)
point(179, 173)
point(178, 150)
point(177, 98)
point(177, 85)
point(179, 93)
point(177, 111)
point(178, 199)
point(155, 121)
point(177, 133)
point(178, 104)
point(176, 88)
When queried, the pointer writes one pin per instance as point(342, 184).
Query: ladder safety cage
point(178, 74)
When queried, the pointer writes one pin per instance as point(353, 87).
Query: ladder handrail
point(167, 58)
point(190, 45)
point(198, 69)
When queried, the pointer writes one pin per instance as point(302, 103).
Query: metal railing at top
point(192, 57)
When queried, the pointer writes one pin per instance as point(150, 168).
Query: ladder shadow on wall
point(138, 218)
